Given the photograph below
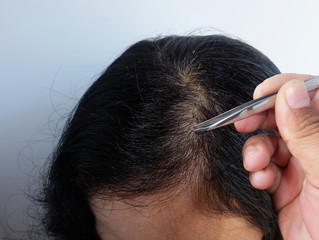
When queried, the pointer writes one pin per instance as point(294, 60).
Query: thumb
point(297, 120)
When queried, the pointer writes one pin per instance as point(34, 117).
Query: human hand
point(287, 165)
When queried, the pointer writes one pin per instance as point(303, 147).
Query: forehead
point(172, 219)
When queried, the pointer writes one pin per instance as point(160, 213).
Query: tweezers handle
point(247, 109)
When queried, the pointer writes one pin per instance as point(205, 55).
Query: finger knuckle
point(307, 130)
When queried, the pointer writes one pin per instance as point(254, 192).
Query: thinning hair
point(131, 134)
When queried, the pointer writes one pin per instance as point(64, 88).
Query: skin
point(173, 219)
point(287, 165)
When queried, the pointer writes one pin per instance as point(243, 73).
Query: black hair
point(131, 134)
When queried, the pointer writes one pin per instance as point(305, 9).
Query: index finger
point(266, 120)
point(273, 83)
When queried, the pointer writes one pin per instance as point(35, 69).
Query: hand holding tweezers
point(247, 109)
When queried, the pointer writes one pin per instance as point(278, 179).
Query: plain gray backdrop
point(51, 51)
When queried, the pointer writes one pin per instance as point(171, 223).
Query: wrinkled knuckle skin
point(307, 131)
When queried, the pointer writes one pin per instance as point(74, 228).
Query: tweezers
point(247, 109)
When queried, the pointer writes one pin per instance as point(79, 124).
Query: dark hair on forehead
point(132, 134)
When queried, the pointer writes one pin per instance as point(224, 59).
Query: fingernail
point(250, 150)
point(252, 176)
point(297, 95)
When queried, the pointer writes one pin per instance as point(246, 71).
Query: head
point(130, 166)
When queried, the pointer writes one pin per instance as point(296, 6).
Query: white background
point(51, 51)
